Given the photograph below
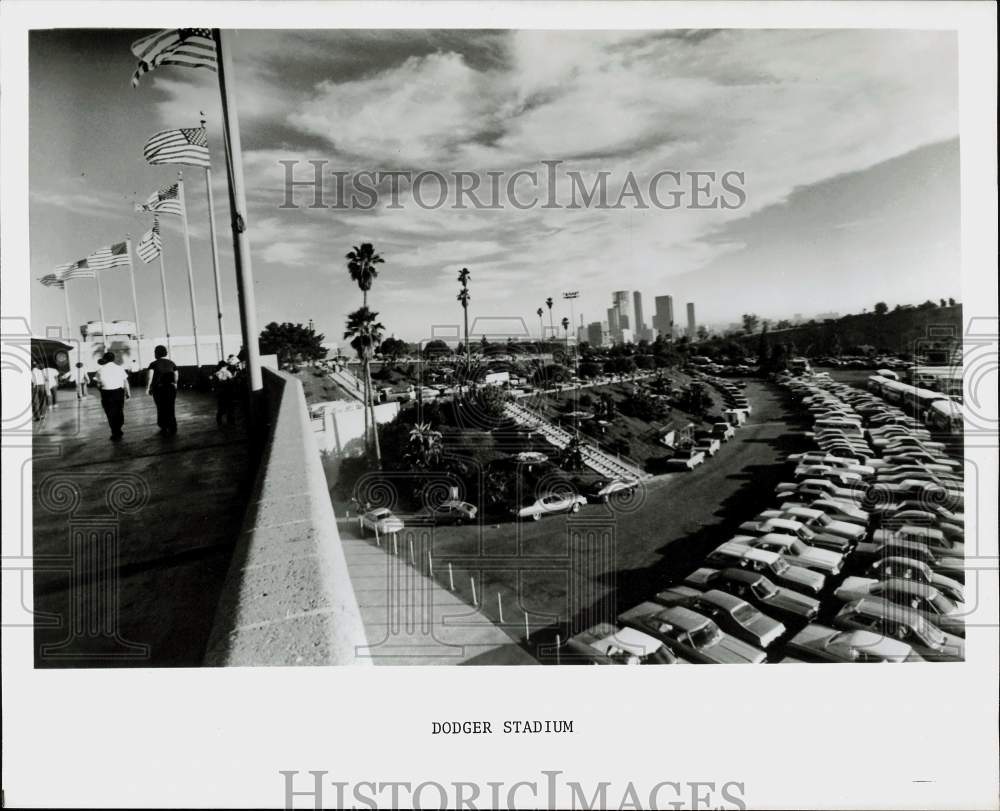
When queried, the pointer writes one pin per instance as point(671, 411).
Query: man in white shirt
point(39, 392)
point(113, 383)
point(78, 377)
point(52, 382)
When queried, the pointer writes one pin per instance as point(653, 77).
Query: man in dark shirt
point(161, 382)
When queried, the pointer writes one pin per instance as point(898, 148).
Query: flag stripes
point(111, 256)
point(53, 280)
point(187, 47)
point(185, 146)
point(77, 270)
point(164, 200)
point(150, 246)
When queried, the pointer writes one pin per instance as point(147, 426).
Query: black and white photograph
point(430, 343)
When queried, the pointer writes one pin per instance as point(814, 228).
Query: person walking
point(223, 379)
point(112, 380)
point(80, 380)
point(52, 383)
point(161, 382)
point(39, 392)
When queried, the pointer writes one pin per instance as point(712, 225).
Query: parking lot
point(567, 570)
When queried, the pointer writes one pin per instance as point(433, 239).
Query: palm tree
point(365, 333)
point(425, 446)
point(541, 326)
point(548, 303)
point(463, 296)
point(361, 263)
point(565, 326)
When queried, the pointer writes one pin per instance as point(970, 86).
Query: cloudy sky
point(847, 141)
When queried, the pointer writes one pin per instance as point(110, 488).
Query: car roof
point(743, 575)
point(683, 618)
point(629, 640)
point(722, 599)
point(878, 607)
point(741, 551)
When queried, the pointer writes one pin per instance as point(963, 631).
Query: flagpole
point(187, 250)
point(135, 301)
point(100, 307)
point(215, 254)
point(163, 288)
point(238, 210)
point(69, 321)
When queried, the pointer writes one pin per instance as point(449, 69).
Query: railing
point(288, 598)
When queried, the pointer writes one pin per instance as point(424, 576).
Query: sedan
point(450, 512)
point(908, 569)
point(736, 555)
point(895, 547)
point(767, 524)
point(381, 521)
point(690, 635)
point(929, 602)
point(818, 643)
point(782, 603)
point(732, 614)
point(934, 539)
point(797, 553)
point(904, 624)
point(819, 522)
point(603, 489)
point(686, 459)
point(604, 644)
point(552, 504)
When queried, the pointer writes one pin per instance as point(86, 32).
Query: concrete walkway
point(132, 540)
point(413, 619)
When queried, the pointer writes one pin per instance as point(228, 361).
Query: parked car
point(686, 459)
point(723, 431)
point(820, 523)
point(921, 518)
point(796, 552)
point(605, 644)
point(819, 643)
point(782, 603)
point(952, 567)
point(731, 613)
point(382, 521)
point(452, 511)
point(708, 444)
point(909, 569)
point(551, 504)
point(765, 525)
point(603, 489)
point(732, 554)
point(819, 488)
point(932, 604)
point(690, 635)
point(904, 624)
point(931, 537)
point(836, 509)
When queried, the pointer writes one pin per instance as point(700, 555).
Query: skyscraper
point(621, 303)
point(639, 327)
point(692, 328)
point(663, 320)
point(613, 323)
point(595, 334)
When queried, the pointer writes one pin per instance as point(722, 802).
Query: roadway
point(568, 572)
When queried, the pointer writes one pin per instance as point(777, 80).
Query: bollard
point(412, 562)
point(451, 578)
point(558, 645)
point(430, 564)
point(475, 602)
point(527, 629)
point(395, 545)
point(500, 607)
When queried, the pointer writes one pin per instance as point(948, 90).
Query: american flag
point(112, 256)
point(190, 47)
point(162, 201)
point(186, 146)
point(53, 280)
point(76, 270)
point(149, 246)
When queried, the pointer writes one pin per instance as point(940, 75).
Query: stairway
point(604, 463)
point(349, 383)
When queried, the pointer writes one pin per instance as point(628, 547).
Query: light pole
point(571, 296)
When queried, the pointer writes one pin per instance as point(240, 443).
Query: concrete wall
point(342, 430)
point(288, 598)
